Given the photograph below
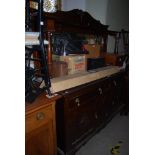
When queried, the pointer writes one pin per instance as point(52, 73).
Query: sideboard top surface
point(71, 81)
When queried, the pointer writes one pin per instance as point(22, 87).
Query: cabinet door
point(80, 115)
point(115, 93)
point(109, 100)
point(104, 101)
point(40, 133)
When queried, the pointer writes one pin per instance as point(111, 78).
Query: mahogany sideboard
point(85, 109)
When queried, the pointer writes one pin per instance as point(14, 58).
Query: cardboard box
point(114, 59)
point(58, 69)
point(94, 50)
point(76, 63)
point(110, 59)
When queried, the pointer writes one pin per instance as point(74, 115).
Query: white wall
point(117, 18)
point(114, 13)
point(98, 9)
point(73, 4)
point(118, 14)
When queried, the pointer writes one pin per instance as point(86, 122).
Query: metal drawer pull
point(114, 82)
point(77, 101)
point(96, 116)
point(100, 90)
point(40, 116)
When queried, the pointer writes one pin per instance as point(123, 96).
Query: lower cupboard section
point(86, 109)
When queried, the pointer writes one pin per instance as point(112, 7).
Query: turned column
point(49, 53)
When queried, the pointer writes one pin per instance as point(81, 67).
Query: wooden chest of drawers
point(40, 132)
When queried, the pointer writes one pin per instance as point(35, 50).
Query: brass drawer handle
point(114, 82)
point(100, 91)
point(40, 116)
point(77, 100)
point(96, 116)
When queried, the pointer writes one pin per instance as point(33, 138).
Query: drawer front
point(80, 97)
point(38, 118)
point(79, 101)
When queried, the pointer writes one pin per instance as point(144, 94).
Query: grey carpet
point(109, 138)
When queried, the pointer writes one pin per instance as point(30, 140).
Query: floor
point(112, 140)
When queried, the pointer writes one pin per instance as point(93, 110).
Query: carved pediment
point(77, 19)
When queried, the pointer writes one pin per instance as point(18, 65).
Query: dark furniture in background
point(118, 35)
point(117, 57)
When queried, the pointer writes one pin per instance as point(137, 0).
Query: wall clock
point(50, 5)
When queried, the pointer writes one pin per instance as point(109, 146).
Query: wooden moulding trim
point(76, 19)
point(40, 102)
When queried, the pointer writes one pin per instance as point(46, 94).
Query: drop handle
point(40, 116)
point(96, 116)
point(77, 100)
point(114, 82)
point(100, 91)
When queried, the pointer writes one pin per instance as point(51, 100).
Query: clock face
point(49, 5)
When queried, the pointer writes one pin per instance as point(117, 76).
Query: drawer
point(38, 118)
point(82, 96)
point(81, 101)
